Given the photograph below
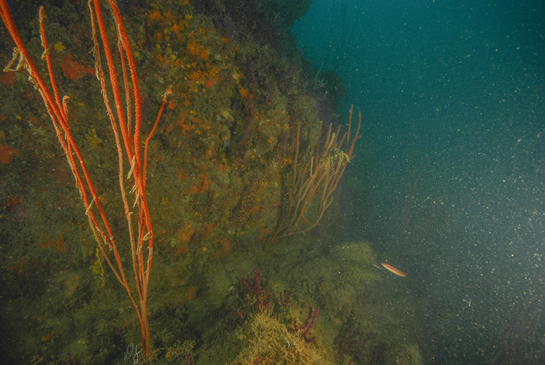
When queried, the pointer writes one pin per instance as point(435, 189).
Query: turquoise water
point(452, 96)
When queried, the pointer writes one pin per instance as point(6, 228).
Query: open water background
point(450, 175)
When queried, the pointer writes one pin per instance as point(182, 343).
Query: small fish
point(394, 270)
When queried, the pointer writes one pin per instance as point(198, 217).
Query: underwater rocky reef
point(244, 116)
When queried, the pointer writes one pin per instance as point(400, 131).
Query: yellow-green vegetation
point(357, 252)
point(409, 355)
point(360, 302)
point(266, 340)
point(334, 155)
point(179, 351)
point(98, 268)
point(358, 260)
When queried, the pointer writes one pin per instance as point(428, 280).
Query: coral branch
point(284, 299)
point(252, 295)
point(306, 327)
point(314, 179)
point(120, 121)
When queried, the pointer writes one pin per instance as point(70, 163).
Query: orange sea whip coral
point(58, 113)
point(315, 178)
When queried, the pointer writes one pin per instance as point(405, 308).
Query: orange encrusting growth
point(74, 70)
point(57, 243)
point(7, 154)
